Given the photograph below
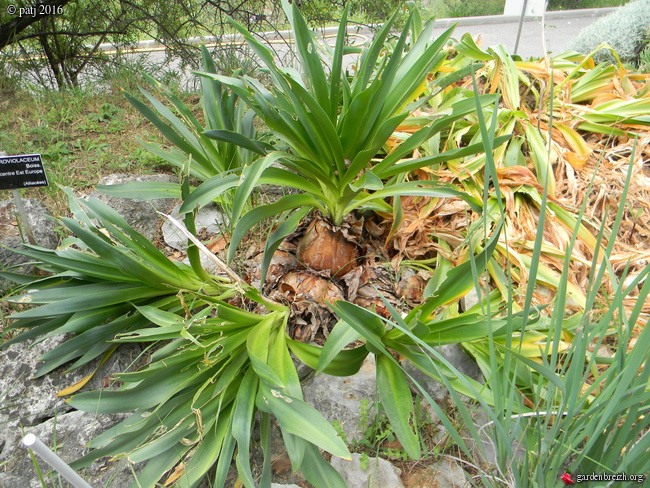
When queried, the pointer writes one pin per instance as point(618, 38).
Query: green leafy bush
point(582, 4)
point(370, 11)
point(460, 8)
point(96, 282)
point(568, 409)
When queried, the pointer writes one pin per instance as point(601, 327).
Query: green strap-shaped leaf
point(142, 190)
point(460, 382)
point(368, 59)
point(248, 181)
point(257, 345)
point(133, 431)
point(240, 140)
point(415, 188)
point(337, 67)
point(468, 47)
point(395, 396)
point(166, 130)
point(36, 328)
point(345, 363)
point(156, 468)
point(242, 425)
point(158, 272)
point(258, 214)
point(450, 154)
point(225, 459)
point(459, 109)
point(310, 60)
point(283, 229)
point(175, 157)
point(368, 324)
point(459, 280)
point(298, 418)
point(87, 297)
point(281, 363)
point(208, 191)
point(155, 389)
point(208, 451)
point(134, 241)
point(340, 336)
point(319, 472)
point(282, 177)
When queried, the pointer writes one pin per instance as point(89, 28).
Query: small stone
point(379, 473)
point(338, 398)
point(42, 227)
point(458, 358)
point(209, 219)
point(469, 300)
point(448, 474)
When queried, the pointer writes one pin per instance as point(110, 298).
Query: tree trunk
point(9, 31)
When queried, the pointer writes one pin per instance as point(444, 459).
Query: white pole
point(35, 444)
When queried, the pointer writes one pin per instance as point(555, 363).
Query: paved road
point(538, 37)
point(550, 34)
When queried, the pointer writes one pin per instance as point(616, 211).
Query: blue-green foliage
point(626, 30)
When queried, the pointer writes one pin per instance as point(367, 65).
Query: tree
point(57, 40)
point(15, 22)
point(64, 36)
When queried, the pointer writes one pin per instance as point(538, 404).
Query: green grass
point(81, 135)
point(459, 8)
point(581, 4)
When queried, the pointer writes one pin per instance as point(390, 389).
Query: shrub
point(625, 30)
point(370, 10)
point(460, 8)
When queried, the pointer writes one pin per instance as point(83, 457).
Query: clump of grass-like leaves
point(214, 366)
point(552, 406)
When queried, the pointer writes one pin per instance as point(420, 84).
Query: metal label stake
point(35, 444)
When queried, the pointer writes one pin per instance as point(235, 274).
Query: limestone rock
point(338, 398)
point(469, 300)
point(66, 434)
point(31, 406)
point(209, 220)
point(484, 448)
point(41, 226)
point(139, 214)
point(448, 474)
point(458, 358)
point(379, 473)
